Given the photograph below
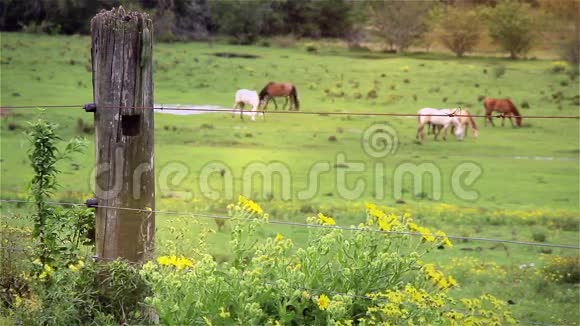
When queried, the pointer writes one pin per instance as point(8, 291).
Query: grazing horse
point(439, 118)
point(287, 90)
point(246, 96)
point(503, 106)
point(465, 118)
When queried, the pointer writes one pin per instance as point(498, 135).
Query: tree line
point(514, 25)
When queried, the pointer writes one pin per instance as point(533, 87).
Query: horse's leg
point(488, 117)
point(445, 132)
point(234, 110)
point(511, 121)
point(275, 104)
point(420, 134)
point(254, 112)
point(436, 132)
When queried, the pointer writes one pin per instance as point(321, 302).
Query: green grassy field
point(524, 170)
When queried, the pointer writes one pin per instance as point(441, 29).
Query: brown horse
point(503, 106)
point(274, 89)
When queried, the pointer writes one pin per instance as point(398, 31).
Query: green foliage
point(83, 293)
point(460, 30)
point(499, 71)
point(565, 16)
point(337, 277)
point(511, 25)
point(241, 19)
point(60, 233)
point(14, 241)
point(399, 23)
point(564, 269)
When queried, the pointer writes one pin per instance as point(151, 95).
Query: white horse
point(246, 96)
point(466, 120)
point(439, 117)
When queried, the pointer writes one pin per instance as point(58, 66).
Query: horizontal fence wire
point(322, 113)
point(307, 225)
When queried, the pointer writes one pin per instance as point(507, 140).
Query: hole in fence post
point(130, 124)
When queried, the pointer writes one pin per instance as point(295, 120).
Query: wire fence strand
point(321, 113)
point(307, 225)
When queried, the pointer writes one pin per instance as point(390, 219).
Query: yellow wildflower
point(47, 271)
point(279, 237)
point(425, 232)
point(323, 302)
point(179, 262)
point(17, 301)
point(444, 238)
point(326, 220)
point(224, 313)
point(250, 206)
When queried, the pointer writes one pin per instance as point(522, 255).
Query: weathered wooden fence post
point(123, 94)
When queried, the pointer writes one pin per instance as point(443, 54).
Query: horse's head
point(262, 104)
point(459, 128)
point(518, 120)
point(264, 92)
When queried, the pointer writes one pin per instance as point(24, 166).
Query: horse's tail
point(294, 95)
point(515, 112)
point(264, 91)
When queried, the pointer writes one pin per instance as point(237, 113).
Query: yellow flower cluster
point(75, 268)
point(323, 302)
point(562, 269)
point(438, 278)
point(385, 222)
point(425, 232)
point(400, 303)
point(250, 206)
point(178, 262)
point(475, 266)
point(47, 270)
point(326, 220)
point(224, 313)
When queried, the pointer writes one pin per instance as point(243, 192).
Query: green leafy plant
point(338, 278)
point(60, 232)
point(511, 25)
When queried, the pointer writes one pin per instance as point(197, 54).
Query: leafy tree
point(459, 30)
point(15, 13)
point(399, 23)
point(334, 17)
point(511, 25)
point(566, 14)
point(241, 19)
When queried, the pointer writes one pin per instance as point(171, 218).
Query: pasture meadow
point(527, 188)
